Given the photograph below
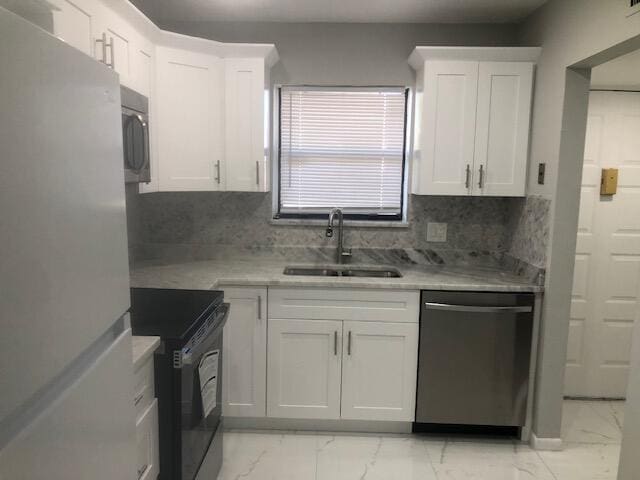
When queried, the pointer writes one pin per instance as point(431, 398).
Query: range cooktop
point(171, 314)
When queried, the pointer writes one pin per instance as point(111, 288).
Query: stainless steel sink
point(344, 271)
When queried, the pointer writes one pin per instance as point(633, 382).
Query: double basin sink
point(343, 271)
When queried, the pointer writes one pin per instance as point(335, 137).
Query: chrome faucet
point(343, 254)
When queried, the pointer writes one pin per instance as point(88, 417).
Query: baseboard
point(333, 426)
point(550, 444)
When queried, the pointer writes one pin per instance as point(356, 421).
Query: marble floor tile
point(583, 461)
point(487, 459)
point(277, 456)
point(591, 431)
point(592, 421)
point(373, 458)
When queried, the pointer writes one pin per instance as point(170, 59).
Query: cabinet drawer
point(144, 391)
point(345, 304)
point(147, 466)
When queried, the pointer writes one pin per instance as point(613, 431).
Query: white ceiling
point(341, 11)
point(623, 73)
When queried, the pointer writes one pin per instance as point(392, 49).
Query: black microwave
point(135, 136)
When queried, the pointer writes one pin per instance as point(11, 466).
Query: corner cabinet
point(189, 97)
point(471, 131)
point(209, 101)
point(246, 133)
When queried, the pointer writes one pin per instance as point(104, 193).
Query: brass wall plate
point(609, 181)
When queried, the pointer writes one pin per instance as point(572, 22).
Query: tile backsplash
point(242, 220)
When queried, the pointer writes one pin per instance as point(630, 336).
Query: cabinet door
point(189, 109)
point(380, 362)
point(120, 47)
point(75, 22)
point(303, 368)
point(147, 451)
point(444, 163)
point(502, 128)
point(245, 125)
point(245, 353)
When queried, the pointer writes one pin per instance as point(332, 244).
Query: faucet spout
point(341, 252)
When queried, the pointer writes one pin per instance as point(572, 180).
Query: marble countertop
point(143, 348)
point(211, 274)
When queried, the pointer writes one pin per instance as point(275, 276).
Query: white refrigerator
point(66, 374)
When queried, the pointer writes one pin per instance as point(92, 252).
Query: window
point(342, 147)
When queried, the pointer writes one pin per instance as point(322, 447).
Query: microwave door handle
point(145, 139)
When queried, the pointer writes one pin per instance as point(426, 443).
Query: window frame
point(363, 219)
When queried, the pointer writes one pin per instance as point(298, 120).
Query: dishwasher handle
point(477, 308)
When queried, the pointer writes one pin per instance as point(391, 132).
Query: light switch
point(436, 232)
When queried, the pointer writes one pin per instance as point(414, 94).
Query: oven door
point(201, 393)
point(135, 146)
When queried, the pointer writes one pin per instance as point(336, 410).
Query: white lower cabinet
point(304, 368)
point(379, 370)
point(148, 459)
point(245, 353)
point(321, 354)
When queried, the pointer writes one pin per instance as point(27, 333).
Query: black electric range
point(188, 375)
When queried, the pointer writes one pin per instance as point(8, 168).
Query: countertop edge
point(143, 347)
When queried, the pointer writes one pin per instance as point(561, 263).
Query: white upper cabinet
point(189, 98)
point(208, 101)
point(502, 127)
point(245, 125)
point(443, 164)
point(75, 22)
point(471, 131)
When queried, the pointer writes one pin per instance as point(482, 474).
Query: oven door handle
point(186, 356)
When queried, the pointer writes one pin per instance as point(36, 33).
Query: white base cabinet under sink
point(339, 359)
point(379, 365)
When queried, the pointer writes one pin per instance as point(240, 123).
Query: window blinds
point(342, 147)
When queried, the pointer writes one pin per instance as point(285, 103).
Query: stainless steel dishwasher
point(473, 363)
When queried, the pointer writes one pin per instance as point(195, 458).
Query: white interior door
point(380, 362)
point(448, 129)
point(245, 353)
point(607, 269)
point(303, 368)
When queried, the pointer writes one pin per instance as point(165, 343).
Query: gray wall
point(571, 33)
point(345, 54)
point(629, 463)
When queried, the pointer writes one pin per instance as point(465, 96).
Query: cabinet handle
point(112, 64)
point(335, 343)
point(257, 173)
point(217, 165)
point(259, 307)
point(349, 343)
point(481, 178)
point(467, 179)
point(103, 42)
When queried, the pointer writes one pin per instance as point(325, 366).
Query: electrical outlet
point(436, 232)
